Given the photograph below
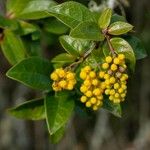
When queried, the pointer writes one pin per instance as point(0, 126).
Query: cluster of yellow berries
point(114, 77)
point(63, 80)
point(111, 81)
point(91, 88)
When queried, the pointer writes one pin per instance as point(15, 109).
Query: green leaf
point(7, 23)
point(31, 110)
point(105, 18)
point(122, 46)
point(29, 9)
point(33, 72)
point(71, 13)
point(137, 46)
point(115, 109)
point(33, 47)
point(119, 27)
point(116, 17)
point(57, 136)
point(63, 58)
point(73, 46)
point(55, 26)
point(87, 30)
point(58, 110)
point(12, 47)
point(26, 28)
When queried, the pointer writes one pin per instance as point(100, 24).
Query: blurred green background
point(100, 132)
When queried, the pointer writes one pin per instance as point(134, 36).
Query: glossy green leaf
point(105, 18)
point(29, 9)
point(122, 46)
point(31, 110)
point(7, 23)
point(58, 110)
point(33, 48)
point(115, 109)
point(119, 27)
point(87, 30)
point(57, 136)
point(63, 58)
point(73, 46)
point(12, 47)
point(33, 72)
point(55, 26)
point(71, 13)
point(137, 46)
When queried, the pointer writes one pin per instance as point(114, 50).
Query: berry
point(105, 65)
point(92, 74)
point(116, 61)
point(93, 100)
point(83, 75)
point(88, 104)
point(114, 67)
point(89, 94)
point(83, 99)
point(54, 76)
point(108, 59)
point(101, 74)
point(121, 57)
point(112, 80)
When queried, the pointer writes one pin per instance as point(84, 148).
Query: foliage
point(89, 41)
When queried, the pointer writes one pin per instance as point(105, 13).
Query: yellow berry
point(61, 73)
point(106, 76)
point(93, 100)
point(89, 94)
point(99, 103)
point(70, 86)
point(112, 80)
point(116, 85)
point(120, 90)
point(87, 83)
point(62, 84)
point(108, 59)
point(92, 74)
point(107, 91)
point(88, 104)
point(100, 97)
point(95, 108)
point(121, 56)
point(83, 75)
point(107, 82)
point(111, 97)
point(105, 65)
point(123, 95)
point(54, 76)
point(87, 69)
point(112, 92)
point(95, 82)
point(116, 95)
point(101, 74)
point(116, 61)
point(83, 99)
point(103, 85)
point(70, 75)
point(83, 88)
point(114, 67)
point(124, 87)
point(97, 91)
point(56, 87)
